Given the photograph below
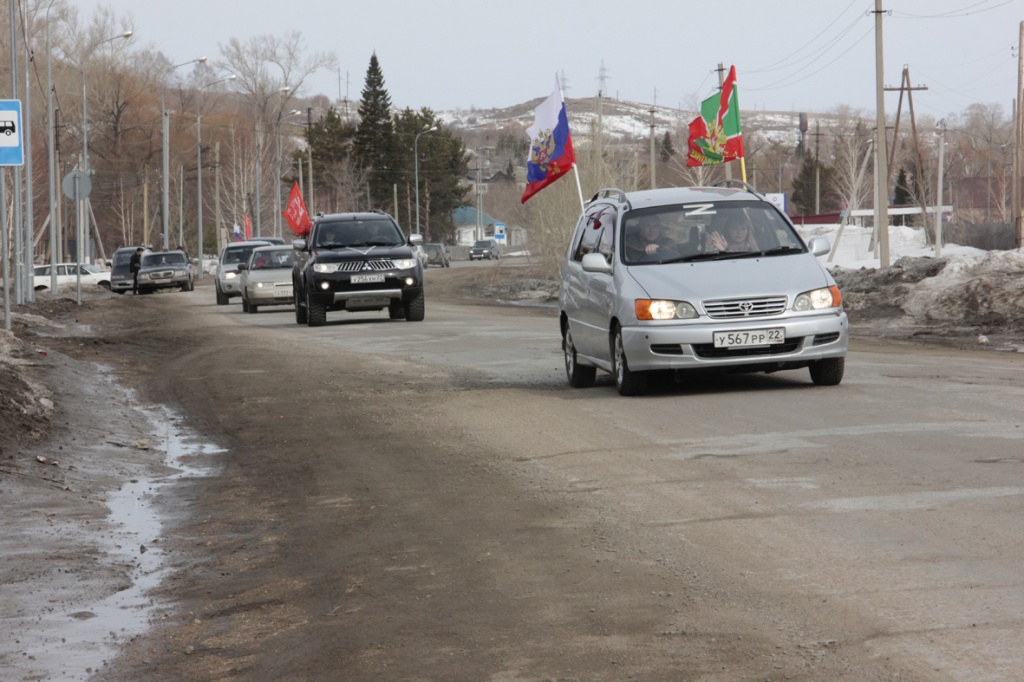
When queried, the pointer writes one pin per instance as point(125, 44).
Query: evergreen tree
point(902, 193)
point(804, 187)
point(667, 150)
point(374, 147)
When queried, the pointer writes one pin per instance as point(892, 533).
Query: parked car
point(356, 262)
point(484, 248)
point(226, 283)
point(165, 270)
point(67, 275)
point(120, 277)
point(438, 254)
point(266, 278)
point(691, 298)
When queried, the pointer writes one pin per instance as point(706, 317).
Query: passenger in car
point(644, 239)
point(734, 236)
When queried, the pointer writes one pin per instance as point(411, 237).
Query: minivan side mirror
point(595, 262)
point(819, 246)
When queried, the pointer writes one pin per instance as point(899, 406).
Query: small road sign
point(12, 143)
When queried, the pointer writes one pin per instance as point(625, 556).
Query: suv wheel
point(579, 376)
point(396, 311)
point(300, 311)
point(628, 383)
point(316, 312)
point(415, 308)
point(828, 372)
point(222, 298)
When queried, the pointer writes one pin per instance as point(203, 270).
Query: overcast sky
point(796, 55)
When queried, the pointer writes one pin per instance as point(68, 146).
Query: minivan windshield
point(709, 230)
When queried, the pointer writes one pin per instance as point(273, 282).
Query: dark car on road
point(120, 277)
point(165, 270)
point(438, 254)
point(484, 248)
point(357, 262)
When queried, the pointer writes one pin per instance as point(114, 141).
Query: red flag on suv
point(295, 213)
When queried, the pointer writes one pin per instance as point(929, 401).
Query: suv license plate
point(363, 279)
point(750, 337)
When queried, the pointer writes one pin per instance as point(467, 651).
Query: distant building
point(465, 219)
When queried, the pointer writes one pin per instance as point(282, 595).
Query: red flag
point(295, 213)
point(716, 135)
point(248, 226)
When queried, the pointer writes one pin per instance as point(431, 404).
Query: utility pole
point(145, 208)
point(1018, 120)
point(654, 157)
point(882, 192)
point(817, 167)
point(938, 207)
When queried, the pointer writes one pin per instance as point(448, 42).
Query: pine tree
point(667, 150)
point(374, 147)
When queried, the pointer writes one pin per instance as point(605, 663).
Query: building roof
point(466, 215)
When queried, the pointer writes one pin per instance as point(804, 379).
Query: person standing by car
point(134, 265)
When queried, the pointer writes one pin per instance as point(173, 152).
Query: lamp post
point(280, 120)
point(165, 132)
point(199, 167)
point(277, 163)
point(416, 166)
point(85, 122)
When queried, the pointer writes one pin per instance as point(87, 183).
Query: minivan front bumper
point(691, 346)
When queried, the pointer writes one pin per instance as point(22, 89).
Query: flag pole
point(579, 188)
point(743, 168)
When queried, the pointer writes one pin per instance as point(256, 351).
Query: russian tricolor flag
point(551, 153)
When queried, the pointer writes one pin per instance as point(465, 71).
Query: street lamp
point(281, 119)
point(165, 132)
point(416, 166)
point(85, 124)
point(277, 164)
point(199, 166)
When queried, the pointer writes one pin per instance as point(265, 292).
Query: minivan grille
point(739, 308)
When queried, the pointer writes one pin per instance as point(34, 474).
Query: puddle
point(77, 644)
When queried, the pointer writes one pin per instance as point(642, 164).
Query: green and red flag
point(716, 136)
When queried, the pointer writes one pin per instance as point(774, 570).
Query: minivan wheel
point(827, 372)
point(628, 383)
point(579, 376)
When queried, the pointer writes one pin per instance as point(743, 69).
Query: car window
point(237, 254)
point(123, 257)
point(354, 233)
point(590, 232)
point(606, 242)
point(41, 270)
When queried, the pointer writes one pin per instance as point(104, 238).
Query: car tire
point(415, 308)
point(316, 312)
point(578, 375)
point(105, 285)
point(827, 372)
point(253, 308)
point(245, 304)
point(396, 311)
point(300, 311)
point(222, 298)
point(628, 382)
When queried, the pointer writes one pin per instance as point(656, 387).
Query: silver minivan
point(696, 278)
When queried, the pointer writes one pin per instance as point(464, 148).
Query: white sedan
point(67, 274)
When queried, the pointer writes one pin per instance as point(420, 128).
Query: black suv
point(484, 248)
point(356, 262)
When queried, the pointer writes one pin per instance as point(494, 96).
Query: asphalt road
point(432, 501)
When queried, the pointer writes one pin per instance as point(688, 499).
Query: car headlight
point(405, 263)
point(145, 276)
point(326, 267)
point(230, 275)
point(647, 309)
point(818, 299)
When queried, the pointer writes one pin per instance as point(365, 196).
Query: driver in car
point(645, 240)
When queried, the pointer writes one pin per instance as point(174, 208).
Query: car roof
point(668, 196)
point(362, 215)
point(162, 253)
point(272, 247)
point(248, 242)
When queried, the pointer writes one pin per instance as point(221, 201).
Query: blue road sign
point(12, 140)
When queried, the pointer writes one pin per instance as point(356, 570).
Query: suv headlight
point(405, 263)
point(326, 267)
point(818, 299)
point(657, 309)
